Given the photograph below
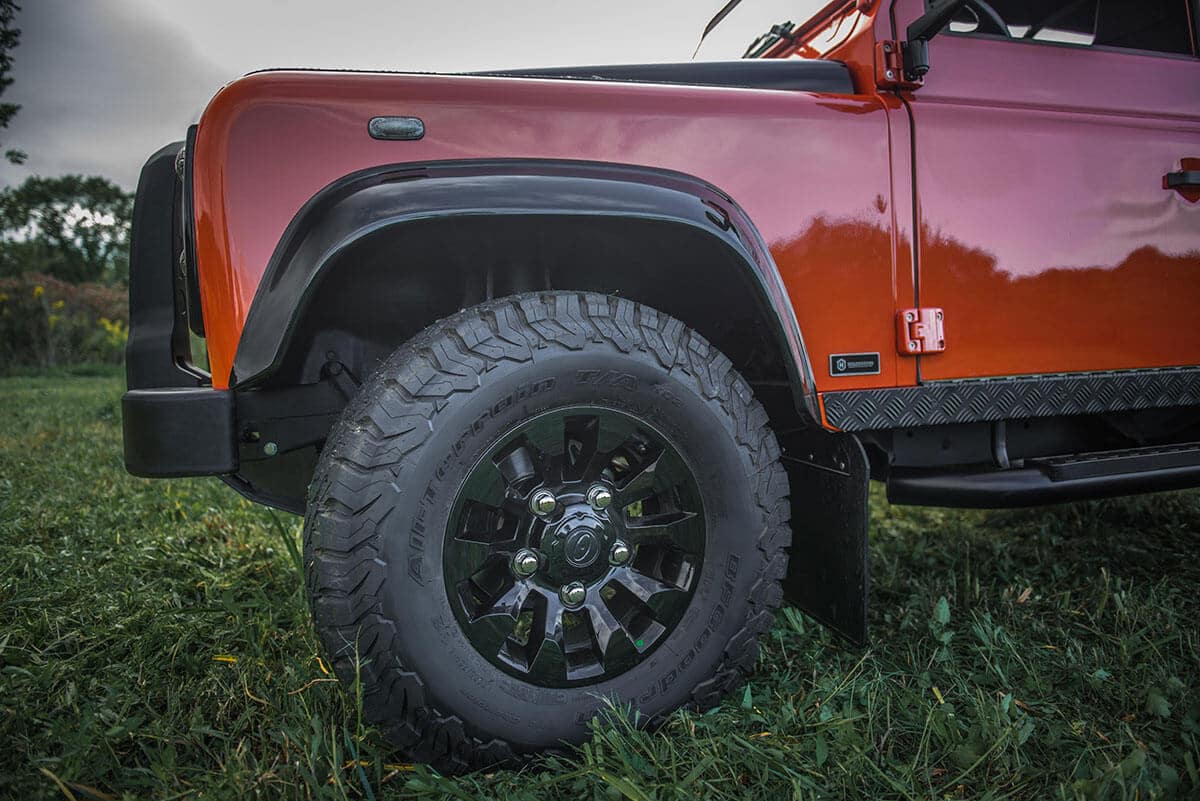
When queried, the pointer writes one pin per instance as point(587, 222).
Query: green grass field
point(155, 643)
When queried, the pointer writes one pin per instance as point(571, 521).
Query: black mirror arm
point(922, 29)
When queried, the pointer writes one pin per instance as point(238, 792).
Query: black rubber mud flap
point(827, 572)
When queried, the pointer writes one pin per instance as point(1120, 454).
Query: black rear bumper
point(175, 423)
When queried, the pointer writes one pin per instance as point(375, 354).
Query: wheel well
point(395, 282)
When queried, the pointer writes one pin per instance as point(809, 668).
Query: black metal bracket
point(272, 422)
point(915, 49)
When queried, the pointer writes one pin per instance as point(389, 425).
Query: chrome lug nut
point(573, 594)
point(619, 553)
point(599, 496)
point(542, 502)
point(525, 563)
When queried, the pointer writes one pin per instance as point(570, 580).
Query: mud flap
point(827, 573)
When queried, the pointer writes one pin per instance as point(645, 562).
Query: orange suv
point(578, 373)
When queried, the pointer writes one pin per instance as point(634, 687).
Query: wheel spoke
point(533, 626)
point(634, 615)
point(490, 590)
point(581, 437)
point(546, 627)
point(604, 626)
point(666, 564)
point(581, 647)
point(485, 524)
point(635, 466)
point(509, 603)
point(644, 587)
point(664, 523)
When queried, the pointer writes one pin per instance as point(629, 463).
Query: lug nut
point(573, 594)
point(599, 496)
point(525, 563)
point(620, 553)
point(543, 502)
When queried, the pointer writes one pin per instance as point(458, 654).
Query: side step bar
point(1054, 479)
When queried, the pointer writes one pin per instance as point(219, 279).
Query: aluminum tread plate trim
point(983, 400)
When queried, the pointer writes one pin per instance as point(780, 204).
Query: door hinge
point(920, 331)
point(889, 67)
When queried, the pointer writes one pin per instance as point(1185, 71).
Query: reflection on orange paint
point(1044, 231)
point(1047, 235)
point(271, 141)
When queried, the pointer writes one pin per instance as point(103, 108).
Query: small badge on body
point(853, 364)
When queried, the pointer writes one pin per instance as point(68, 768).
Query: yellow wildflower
point(58, 304)
point(39, 290)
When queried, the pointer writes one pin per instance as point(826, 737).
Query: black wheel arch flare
point(387, 197)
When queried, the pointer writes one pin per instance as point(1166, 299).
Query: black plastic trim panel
point(158, 352)
point(179, 431)
point(982, 400)
point(1120, 462)
point(195, 312)
point(1030, 486)
point(794, 75)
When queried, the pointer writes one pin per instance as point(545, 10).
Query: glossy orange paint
point(812, 171)
point(1046, 233)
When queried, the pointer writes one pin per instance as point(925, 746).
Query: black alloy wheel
point(603, 569)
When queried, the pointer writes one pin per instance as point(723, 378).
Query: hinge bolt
point(912, 345)
point(270, 449)
point(909, 317)
point(887, 47)
point(890, 75)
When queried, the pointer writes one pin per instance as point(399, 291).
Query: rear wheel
point(537, 504)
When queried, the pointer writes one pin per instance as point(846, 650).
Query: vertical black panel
point(827, 574)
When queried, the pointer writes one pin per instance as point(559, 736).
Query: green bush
point(46, 322)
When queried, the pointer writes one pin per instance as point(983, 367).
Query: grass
point(155, 643)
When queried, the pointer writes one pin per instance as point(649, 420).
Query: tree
point(10, 37)
point(74, 228)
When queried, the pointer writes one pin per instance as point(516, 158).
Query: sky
point(104, 83)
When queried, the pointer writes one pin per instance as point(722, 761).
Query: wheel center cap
point(582, 547)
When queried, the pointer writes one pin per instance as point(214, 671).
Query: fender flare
point(365, 202)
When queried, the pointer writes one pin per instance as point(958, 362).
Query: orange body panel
point(813, 172)
point(1044, 232)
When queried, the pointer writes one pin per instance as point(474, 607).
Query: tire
point(392, 506)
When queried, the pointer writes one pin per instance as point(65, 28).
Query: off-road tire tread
point(390, 418)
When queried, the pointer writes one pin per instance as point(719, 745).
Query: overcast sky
point(104, 83)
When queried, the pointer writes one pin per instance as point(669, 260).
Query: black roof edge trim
point(791, 75)
point(783, 74)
